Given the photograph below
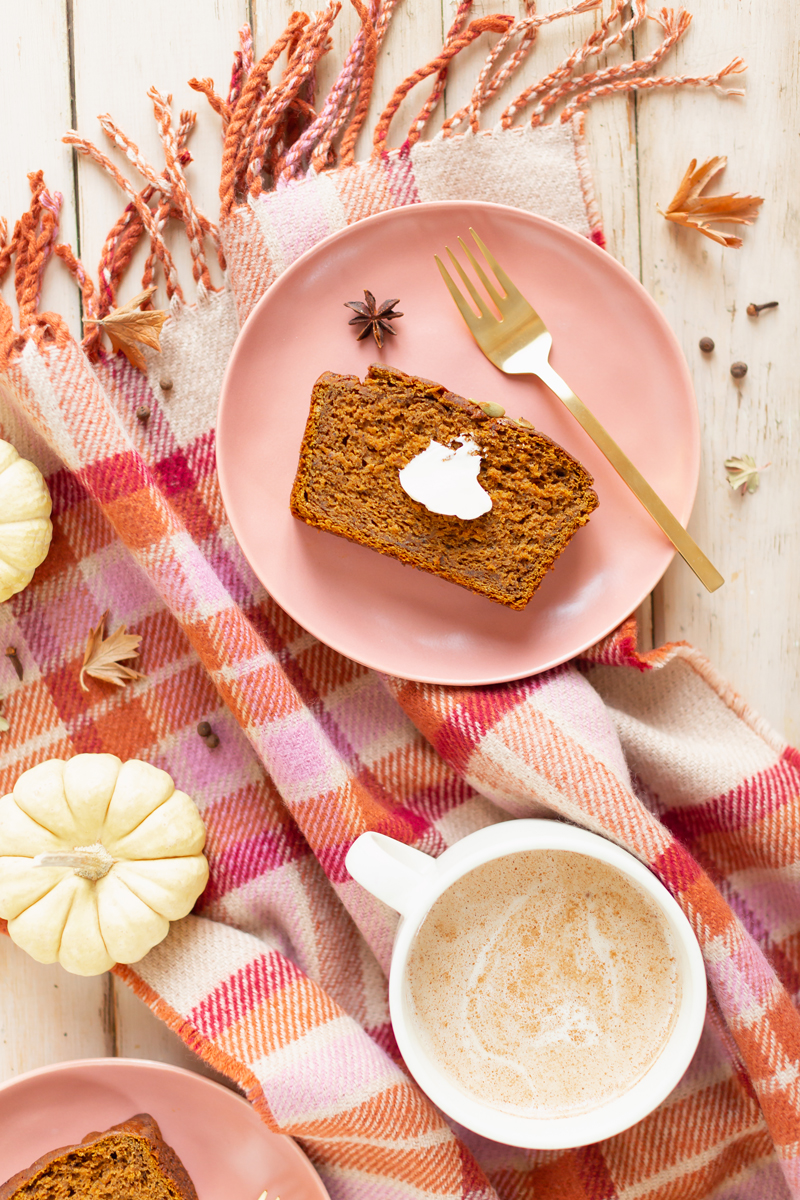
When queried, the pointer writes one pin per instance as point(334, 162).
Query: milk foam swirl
point(544, 983)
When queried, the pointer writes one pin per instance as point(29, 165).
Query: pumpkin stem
point(90, 862)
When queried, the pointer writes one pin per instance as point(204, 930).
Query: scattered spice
point(738, 370)
point(143, 415)
point(694, 211)
point(103, 657)
point(165, 384)
point(373, 317)
point(706, 344)
point(754, 309)
point(129, 328)
point(11, 652)
point(208, 735)
point(742, 473)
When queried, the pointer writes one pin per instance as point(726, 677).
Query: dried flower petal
point(694, 211)
point(742, 473)
point(103, 656)
point(128, 328)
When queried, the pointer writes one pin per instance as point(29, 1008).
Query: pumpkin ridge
point(124, 883)
point(66, 919)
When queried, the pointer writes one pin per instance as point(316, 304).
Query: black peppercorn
point(204, 729)
point(706, 344)
point(143, 415)
point(739, 370)
point(212, 741)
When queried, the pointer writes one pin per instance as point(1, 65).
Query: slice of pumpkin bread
point(130, 1161)
point(358, 438)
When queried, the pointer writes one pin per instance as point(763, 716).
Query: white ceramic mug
point(410, 882)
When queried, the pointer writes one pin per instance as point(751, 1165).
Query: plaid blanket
point(279, 977)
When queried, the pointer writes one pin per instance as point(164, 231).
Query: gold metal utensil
point(518, 343)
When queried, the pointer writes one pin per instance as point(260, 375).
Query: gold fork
point(519, 344)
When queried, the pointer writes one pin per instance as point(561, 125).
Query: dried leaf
point(128, 327)
point(694, 211)
point(742, 473)
point(103, 656)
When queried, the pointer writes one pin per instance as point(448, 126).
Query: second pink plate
point(220, 1139)
point(610, 342)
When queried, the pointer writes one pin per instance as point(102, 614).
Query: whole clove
point(754, 309)
point(738, 370)
point(11, 653)
point(706, 344)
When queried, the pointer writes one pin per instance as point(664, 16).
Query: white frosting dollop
point(446, 480)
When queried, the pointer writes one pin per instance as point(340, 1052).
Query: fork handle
point(688, 549)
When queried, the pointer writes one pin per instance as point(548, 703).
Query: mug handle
point(388, 869)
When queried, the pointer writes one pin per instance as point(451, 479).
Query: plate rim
point(114, 1062)
point(683, 512)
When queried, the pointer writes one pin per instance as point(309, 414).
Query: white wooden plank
point(116, 60)
point(35, 102)
point(140, 1034)
point(49, 1016)
point(414, 36)
point(750, 628)
point(610, 123)
point(45, 1015)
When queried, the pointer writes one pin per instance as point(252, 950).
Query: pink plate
point(610, 342)
point(225, 1147)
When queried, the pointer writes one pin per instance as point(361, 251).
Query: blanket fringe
point(273, 136)
point(31, 245)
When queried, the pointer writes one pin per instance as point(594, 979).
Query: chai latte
point(544, 983)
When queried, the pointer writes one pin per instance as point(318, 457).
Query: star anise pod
point(372, 317)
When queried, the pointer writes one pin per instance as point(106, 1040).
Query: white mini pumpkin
point(96, 858)
point(25, 526)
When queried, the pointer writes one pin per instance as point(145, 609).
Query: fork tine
point(510, 289)
point(461, 304)
point(479, 271)
point(480, 303)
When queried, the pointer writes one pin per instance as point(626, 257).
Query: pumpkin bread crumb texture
point(130, 1161)
point(360, 435)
